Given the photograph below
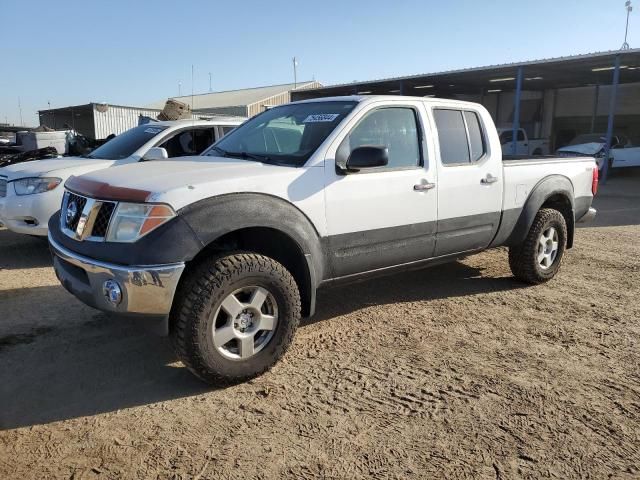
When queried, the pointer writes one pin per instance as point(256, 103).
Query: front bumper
point(589, 216)
point(29, 214)
point(146, 290)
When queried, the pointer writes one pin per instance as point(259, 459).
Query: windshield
point(285, 135)
point(127, 143)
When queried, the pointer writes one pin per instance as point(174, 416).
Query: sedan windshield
point(127, 143)
point(286, 135)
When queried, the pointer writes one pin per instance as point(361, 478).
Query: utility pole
point(625, 45)
point(179, 88)
point(20, 108)
point(210, 83)
point(295, 73)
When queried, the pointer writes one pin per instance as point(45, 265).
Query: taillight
point(594, 181)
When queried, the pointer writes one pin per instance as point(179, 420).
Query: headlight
point(29, 186)
point(132, 221)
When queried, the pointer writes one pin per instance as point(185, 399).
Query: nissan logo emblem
point(72, 211)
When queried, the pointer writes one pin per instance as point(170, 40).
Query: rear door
point(469, 180)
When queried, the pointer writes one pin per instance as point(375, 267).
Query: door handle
point(489, 179)
point(423, 187)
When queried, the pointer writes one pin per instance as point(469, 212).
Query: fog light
point(112, 292)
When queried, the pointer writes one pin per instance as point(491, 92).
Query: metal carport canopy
point(601, 68)
point(561, 72)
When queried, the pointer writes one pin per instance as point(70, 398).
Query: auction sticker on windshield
point(321, 117)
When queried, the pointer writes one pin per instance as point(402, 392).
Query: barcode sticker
point(321, 117)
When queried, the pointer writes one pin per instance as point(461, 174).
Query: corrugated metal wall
point(237, 111)
point(285, 97)
point(117, 119)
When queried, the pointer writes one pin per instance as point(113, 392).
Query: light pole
point(295, 73)
point(210, 83)
point(625, 45)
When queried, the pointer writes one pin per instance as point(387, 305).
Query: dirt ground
point(457, 371)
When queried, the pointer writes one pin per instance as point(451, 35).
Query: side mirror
point(370, 156)
point(155, 153)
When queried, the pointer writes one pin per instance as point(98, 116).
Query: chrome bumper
point(146, 290)
point(589, 216)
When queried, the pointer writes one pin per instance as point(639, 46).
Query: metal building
point(98, 120)
point(556, 98)
point(245, 102)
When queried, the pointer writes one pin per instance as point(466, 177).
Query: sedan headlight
point(132, 221)
point(29, 186)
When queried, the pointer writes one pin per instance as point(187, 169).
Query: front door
point(469, 181)
point(384, 216)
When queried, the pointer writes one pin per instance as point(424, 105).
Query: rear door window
point(476, 138)
point(460, 136)
point(452, 136)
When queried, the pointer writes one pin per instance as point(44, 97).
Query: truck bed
point(521, 159)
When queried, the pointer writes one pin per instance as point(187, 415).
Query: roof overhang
point(561, 72)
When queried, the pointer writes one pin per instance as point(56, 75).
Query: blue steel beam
point(612, 114)
point(516, 112)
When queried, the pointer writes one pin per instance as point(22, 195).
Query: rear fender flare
point(544, 189)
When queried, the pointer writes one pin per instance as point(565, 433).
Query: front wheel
point(538, 258)
point(235, 316)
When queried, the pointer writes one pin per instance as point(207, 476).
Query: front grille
point(99, 214)
point(80, 202)
point(3, 187)
point(102, 220)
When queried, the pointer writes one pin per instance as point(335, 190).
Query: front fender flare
point(214, 217)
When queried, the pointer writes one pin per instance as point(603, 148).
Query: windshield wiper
point(244, 155)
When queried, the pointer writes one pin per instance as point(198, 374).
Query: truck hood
point(189, 179)
point(38, 168)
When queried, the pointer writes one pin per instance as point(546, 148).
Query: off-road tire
point(200, 296)
point(523, 258)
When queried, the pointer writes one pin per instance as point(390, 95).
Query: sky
point(137, 52)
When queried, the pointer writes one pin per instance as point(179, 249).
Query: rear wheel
point(235, 317)
point(538, 258)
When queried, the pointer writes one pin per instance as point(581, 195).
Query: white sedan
point(31, 192)
point(622, 153)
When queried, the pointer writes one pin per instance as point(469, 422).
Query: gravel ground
point(457, 371)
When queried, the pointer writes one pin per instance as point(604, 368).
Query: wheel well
point(563, 205)
point(271, 243)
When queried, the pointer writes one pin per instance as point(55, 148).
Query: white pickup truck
point(227, 250)
point(524, 144)
point(31, 192)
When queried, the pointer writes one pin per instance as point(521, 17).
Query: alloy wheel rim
point(548, 247)
point(244, 323)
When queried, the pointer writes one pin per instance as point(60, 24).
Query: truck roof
point(377, 98)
